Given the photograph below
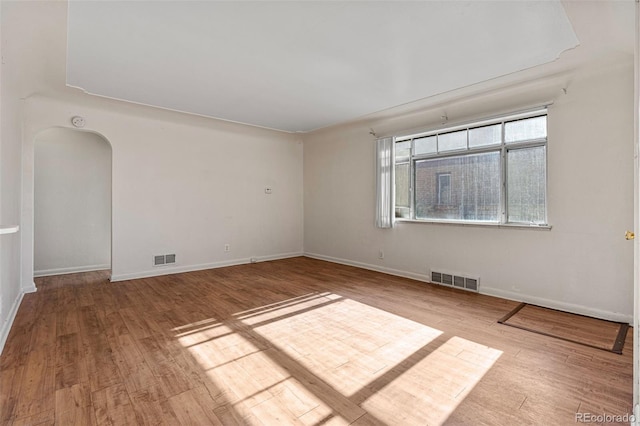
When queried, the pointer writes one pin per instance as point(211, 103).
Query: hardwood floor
point(296, 341)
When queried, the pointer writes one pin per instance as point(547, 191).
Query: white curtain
point(384, 183)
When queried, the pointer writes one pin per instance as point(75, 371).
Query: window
point(403, 178)
point(444, 188)
point(485, 172)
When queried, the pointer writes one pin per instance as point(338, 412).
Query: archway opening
point(72, 202)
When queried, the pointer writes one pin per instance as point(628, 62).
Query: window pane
point(403, 150)
point(526, 183)
point(469, 192)
point(452, 141)
point(444, 189)
point(483, 136)
point(527, 129)
point(425, 145)
point(402, 185)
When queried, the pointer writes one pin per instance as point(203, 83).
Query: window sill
point(478, 224)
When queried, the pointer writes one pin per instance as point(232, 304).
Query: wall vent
point(164, 259)
point(451, 279)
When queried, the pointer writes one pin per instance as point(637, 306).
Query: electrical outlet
point(227, 247)
point(381, 254)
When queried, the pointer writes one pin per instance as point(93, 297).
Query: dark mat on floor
point(595, 333)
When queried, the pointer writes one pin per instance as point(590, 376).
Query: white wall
point(72, 204)
point(181, 184)
point(184, 185)
point(190, 185)
point(11, 290)
point(582, 265)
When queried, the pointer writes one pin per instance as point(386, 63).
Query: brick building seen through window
point(463, 180)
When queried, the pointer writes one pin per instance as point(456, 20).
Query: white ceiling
point(299, 66)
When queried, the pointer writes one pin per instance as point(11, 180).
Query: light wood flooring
point(296, 341)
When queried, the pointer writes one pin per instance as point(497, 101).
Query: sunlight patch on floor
point(295, 308)
point(194, 325)
point(429, 391)
point(322, 357)
point(348, 344)
point(276, 305)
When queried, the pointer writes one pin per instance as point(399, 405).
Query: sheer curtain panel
point(384, 183)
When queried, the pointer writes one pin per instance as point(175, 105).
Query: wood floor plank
point(368, 420)
point(70, 364)
point(172, 379)
point(67, 322)
point(67, 349)
point(295, 341)
point(295, 397)
point(10, 386)
point(324, 415)
point(73, 405)
point(230, 415)
point(43, 332)
point(112, 406)
point(38, 383)
point(102, 369)
point(272, 411)
point(16, 353)
point(152, 408)
point(189, 411)
point(45, 418)
point(203, 398)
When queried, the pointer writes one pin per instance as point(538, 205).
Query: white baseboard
point(377, 268)
point(168, 270)
point(503, 294)
point(561, 306)
point(70, 270)
point(6, 325)
point(29, 287)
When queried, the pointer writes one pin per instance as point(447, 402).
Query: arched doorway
point(72, 202)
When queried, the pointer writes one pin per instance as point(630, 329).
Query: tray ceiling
point(299, 66)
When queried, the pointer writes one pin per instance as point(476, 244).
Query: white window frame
point(503, 148)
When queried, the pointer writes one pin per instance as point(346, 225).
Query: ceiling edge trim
point(86, 92)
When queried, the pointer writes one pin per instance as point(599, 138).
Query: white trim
point(446, 128)
point(29, 287)
point(636, 218)
point(384, 270)
point(190, 268)
point(562, 306)
point(71, 270)
point(488, 291)
point(9, 229)
point(6, 326)
point(209, 117)
point(508, 225)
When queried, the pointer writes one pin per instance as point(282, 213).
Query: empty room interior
point(318, 212)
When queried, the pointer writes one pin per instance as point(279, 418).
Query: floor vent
point(164, 259)
point(455, 280)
